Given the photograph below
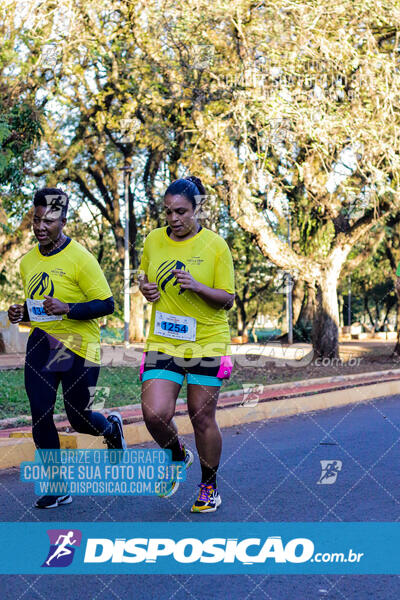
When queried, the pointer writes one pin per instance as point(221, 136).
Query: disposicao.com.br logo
point(201, 547)
point(188, 550)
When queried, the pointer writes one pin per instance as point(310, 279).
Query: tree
point(295, 126)
point(21, 113)
point(255, 279)
point(320, 133)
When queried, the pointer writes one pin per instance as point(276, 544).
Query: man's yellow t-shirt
point(208, 259)
point(71, 275)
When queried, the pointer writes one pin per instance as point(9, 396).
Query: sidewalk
point(12, 361)
point(121, 356)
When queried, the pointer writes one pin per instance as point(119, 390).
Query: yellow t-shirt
point(207, 257)
point(72, 275)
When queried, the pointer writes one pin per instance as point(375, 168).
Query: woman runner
point(188, 277)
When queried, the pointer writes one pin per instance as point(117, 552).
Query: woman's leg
point(158, 406)
point(202, 405)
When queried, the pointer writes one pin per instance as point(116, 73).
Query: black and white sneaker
point(116, 440)
point(53, 501)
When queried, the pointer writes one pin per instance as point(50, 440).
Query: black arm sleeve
point(83, 311)
point(26, 318)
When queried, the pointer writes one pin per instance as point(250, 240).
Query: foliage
point(298, 123)
point(20, 130)
point(372, 288)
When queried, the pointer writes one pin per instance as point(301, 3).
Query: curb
point(20, 447)
point(340, 381)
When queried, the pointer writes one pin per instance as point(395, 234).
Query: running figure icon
point(330, 470)
point(62, 549)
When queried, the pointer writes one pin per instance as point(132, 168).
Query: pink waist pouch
point(141, 371)
point(225, 368)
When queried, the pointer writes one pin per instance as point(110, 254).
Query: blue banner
point(200, 548)
point(130, 472)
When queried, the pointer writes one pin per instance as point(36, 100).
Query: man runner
point(65, 291)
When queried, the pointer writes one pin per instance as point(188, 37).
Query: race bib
point(175, 326)
point(37, 313)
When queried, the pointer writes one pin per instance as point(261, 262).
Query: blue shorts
point(199, 371)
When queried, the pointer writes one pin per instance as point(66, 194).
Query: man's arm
point(26, 318)
point(79, 311)
point(16, 313)
point(94, 309)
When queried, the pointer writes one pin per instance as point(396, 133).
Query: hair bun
point(197, 183)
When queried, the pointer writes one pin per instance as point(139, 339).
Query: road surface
point(269, 472)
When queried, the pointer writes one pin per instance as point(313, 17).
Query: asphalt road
point(269, 472)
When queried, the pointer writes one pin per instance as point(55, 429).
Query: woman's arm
point(149, 290)
point(214, 296)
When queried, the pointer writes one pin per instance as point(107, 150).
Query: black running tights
point(48, 362)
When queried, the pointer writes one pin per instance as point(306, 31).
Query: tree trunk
point(136, 326)
point(308, 307)
point(297, 299)
point(147, 318)
point(14, 245)
point(252, 329)
point(241, 316)
point(325, 333)
point(340, 306)
point(240, 323)
point(396, 351)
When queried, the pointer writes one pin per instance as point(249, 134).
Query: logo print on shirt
point(164, 274)
point(40, 284)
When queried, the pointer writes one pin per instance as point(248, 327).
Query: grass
point(123, 383)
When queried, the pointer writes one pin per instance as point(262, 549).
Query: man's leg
point(41, 387)
point(79, 384)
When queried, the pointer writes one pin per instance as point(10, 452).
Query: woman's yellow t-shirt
point(208, 259)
